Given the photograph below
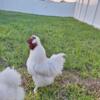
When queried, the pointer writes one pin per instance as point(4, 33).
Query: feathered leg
point(35, 89)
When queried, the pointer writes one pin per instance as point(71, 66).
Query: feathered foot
point(35, 90)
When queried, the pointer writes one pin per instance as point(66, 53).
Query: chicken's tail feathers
point(58, 61)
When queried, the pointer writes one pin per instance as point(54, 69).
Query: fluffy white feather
point(43, 69)
point(10, 85)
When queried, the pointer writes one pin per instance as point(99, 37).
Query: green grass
point(79, 41)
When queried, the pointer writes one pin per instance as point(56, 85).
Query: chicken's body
point(44, 69)
point(10, 89)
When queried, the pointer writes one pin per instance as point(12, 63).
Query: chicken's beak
point(29, 41)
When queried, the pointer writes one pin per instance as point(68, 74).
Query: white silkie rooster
point(10, 85)
point(43, 69)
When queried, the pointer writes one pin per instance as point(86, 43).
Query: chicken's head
point(33, 41)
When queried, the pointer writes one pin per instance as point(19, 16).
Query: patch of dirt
point(68, 77)
point(91, 84)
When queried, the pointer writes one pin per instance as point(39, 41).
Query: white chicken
point(10, 89)
point(43, 69)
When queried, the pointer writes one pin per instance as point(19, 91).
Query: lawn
point(79, 41)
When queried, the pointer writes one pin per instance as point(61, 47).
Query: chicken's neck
point(38, 55)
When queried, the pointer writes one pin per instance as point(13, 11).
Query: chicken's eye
point(33, 38)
